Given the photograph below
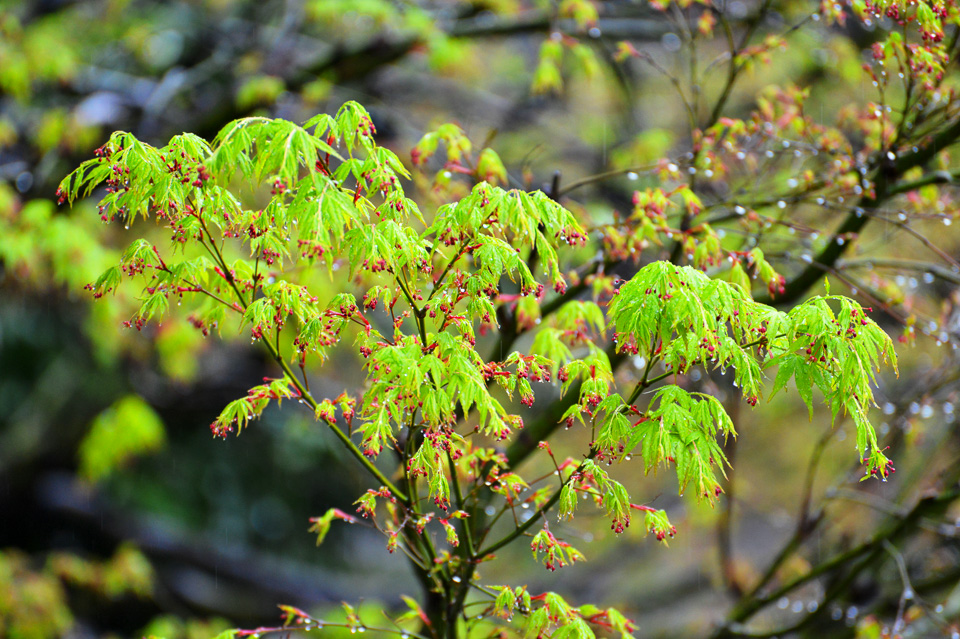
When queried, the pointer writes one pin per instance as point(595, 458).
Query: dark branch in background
point(619, 28)
point(946, 274)
point(885, 187)
point(208, 68)
point(183, 560)
point(810, 518)
point(865, 555)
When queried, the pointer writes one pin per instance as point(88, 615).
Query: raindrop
point(812, 606)
point(792, 183)
point(489, 511)
point(782, 603)
point(594, 32)
point(632, 176)
point(781, 204)
point(797, 606)
point(673, 168)
point(888, 408)
point(671, 42)
point(739, 210)
point(456, 578)
point(768, 153)
point(24, 181)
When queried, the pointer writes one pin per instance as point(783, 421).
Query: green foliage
point(683, 429)
point(680, 317)
point(34, 604)
point(259, 90)
point(127, 572)
point(128, 429)
point(172, 627)
point(425, 284)
point(28, 55)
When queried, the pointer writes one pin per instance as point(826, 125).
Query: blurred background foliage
point(121, 516)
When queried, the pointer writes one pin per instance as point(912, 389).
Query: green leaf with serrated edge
point(568, 502)
point(536, 623)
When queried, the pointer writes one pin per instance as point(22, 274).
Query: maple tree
point(304, 235)
point(430, 394)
